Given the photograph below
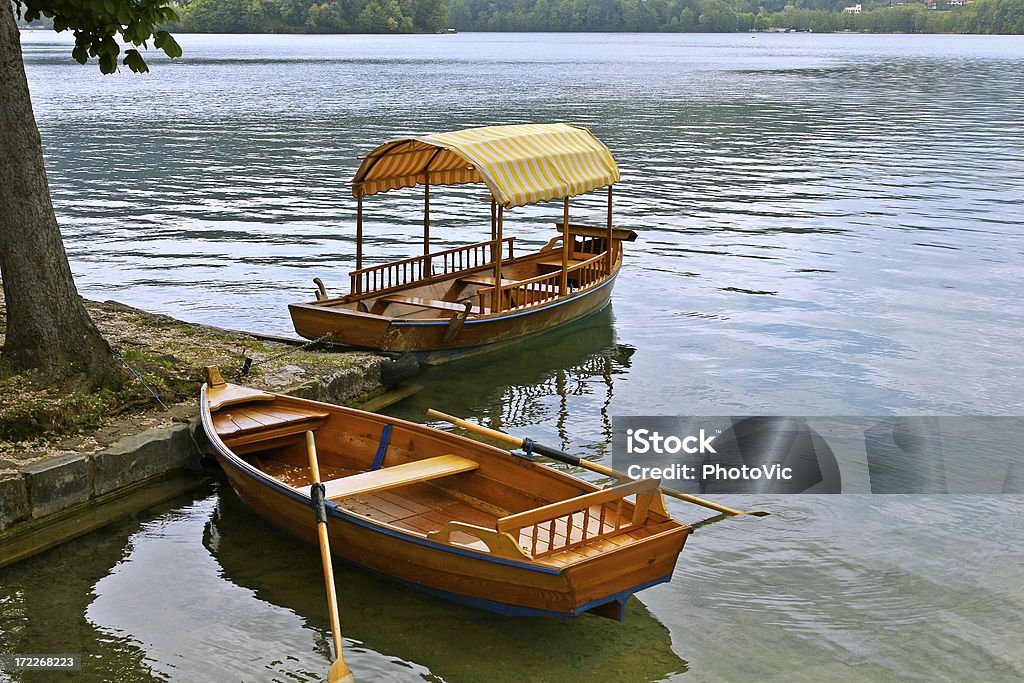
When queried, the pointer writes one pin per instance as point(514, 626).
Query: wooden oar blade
point(339, 673)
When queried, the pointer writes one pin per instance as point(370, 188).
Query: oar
point(556, 454)
point(339, 671)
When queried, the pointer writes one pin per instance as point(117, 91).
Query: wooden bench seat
point(258, 422)
point(383, 302)
point(485, 280)
point(223, 395)
point(580, 230)
point(555, 265)
point(507, 285)
point(398, 475)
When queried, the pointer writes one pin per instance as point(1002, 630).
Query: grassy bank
point(169, 355)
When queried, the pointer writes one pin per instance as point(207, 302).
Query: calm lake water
point(828, 225)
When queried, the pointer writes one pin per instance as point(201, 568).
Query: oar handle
point(314, 468)
point(529, 444)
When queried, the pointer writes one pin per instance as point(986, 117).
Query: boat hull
point(495, 584)
point(598, 581)
point(314, 320)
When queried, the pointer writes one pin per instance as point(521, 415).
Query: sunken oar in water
point(339, 671)
point(562, 456)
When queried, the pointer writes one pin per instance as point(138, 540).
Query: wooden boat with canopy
point(485, 292)
point(446, 514)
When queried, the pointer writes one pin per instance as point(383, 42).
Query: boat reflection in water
point(536, 386)
point(453, 642)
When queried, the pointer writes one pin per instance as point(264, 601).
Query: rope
point(156, 396)
point(135, 372)
point(248, 363)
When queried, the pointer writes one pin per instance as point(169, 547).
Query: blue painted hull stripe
point(334, 510)
point(520, 611)
point(479, 321)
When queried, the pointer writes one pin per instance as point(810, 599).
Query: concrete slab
point(36, 536)
point(14, 503)
point(141, 456)
point(58, 483)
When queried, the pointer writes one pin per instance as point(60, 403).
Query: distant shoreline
point(38, 29)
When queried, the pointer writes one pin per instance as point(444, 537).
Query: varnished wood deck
point(426, 507)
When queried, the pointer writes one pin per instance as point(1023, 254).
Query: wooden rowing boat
point(483, 293)
point(250, 555)
point(451, 516)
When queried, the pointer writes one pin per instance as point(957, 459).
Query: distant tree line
point(311, 16)
point(725, 16)
point(711, 16)
point(983, 16)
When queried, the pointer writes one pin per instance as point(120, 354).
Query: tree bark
point(49, 332)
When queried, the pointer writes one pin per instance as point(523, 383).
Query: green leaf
point(133, 33)
point(80, 54)
point(173, 50)
point(134, 61)
point(108, 63)
point(162, 40)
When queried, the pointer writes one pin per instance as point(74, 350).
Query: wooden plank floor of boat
point(425, 507)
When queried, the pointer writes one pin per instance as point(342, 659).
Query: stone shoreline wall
point(50, 485)
point(40, 481)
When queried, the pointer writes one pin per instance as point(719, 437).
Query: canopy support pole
point(494, 229)
point(359, 241)
point(609, 244)
point(564, 283)
point(496, 304)
point(426, 225)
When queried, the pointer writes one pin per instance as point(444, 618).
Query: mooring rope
point(248, 363)
point(174, 415)
point(117, 355)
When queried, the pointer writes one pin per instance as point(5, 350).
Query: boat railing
point(591, 517)
point(428, 267)
point(541, 289)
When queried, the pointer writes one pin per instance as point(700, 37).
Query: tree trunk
point(49, 332)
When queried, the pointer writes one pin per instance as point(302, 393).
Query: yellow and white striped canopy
point(520, 164)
